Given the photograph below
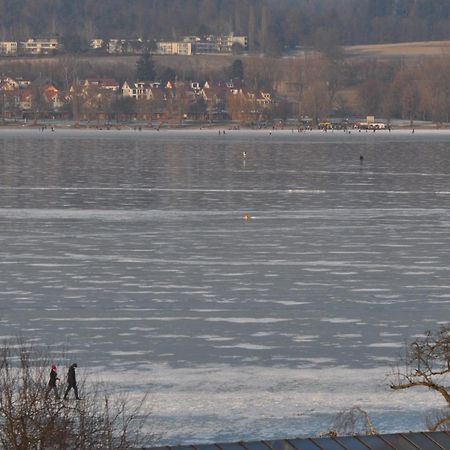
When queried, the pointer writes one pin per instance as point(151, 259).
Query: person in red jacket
point(52, 382)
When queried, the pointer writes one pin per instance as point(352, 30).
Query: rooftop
point(401, 441)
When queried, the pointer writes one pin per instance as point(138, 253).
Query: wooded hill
point(271, 25)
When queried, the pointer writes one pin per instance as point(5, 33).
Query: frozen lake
point(129, 250)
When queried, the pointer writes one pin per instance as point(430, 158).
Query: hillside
point(271, 25)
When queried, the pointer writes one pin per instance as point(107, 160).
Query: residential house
point(235, 86)
point(101, 83)
point(141, 90)
point(245, 105)
point(94, 86)
point(26, 99)
point(42, 99)
point(92, 98)
point(196, 87)
point(264, 99)
point(53, 97)
point(151, 99)
point(8, 84)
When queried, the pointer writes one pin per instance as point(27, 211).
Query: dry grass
point(119, 67)
point(177, 62)
point(405, 49)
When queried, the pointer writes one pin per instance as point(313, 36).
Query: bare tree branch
point(426, 363)
point(31, 419)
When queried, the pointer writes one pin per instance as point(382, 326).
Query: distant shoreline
point(45, 129)
point(200, 126)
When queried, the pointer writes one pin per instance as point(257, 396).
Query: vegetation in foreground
point(426, 364)
point(30, 419)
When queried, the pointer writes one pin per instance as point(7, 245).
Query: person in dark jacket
point(52, 382)
point(72, 382)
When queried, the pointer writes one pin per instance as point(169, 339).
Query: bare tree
point(406, 84)
point(351, 422)
point(39, 105)
point(76, 100)
point(435, 89)
point(68, 66)
point(370, 94)
point(29, 419)
point(316, 101)
point(427, 364)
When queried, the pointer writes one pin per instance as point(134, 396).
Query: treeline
point(271, 25)
point(330, 88)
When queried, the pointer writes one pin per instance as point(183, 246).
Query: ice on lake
point(130, 251)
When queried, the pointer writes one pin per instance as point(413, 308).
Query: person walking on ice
point(72, 382)
point(52, 382)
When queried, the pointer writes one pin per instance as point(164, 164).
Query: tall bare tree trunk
point(252, 27)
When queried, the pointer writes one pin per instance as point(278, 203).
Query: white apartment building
point(225, 43)
point(40, 46)
point(242, 40)
point(8, 48)
point(174, 48)
point(218, 44)
point(117, 45)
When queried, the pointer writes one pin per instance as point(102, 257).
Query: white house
point(140, 90)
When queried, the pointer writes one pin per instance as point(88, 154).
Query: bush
point(426, 364)
point(31, 420)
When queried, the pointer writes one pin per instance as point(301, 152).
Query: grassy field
point(118, 67)
point(178, 63)
point(401, 50)
point(216, 63)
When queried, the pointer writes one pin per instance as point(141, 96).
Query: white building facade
point(40, 46)
point(174, 48)
point(8, 48)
